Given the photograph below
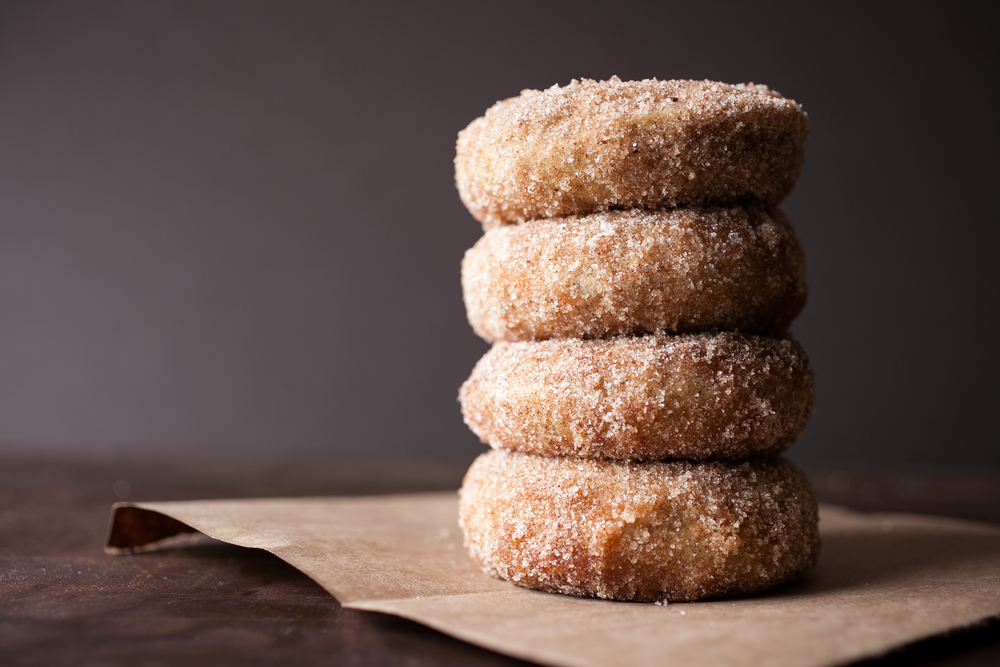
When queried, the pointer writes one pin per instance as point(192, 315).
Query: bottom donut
point(624, 530)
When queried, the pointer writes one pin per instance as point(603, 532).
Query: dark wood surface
point(64, 602)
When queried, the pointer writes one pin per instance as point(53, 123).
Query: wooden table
point(64, 602)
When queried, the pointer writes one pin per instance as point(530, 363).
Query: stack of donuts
point(637, 282)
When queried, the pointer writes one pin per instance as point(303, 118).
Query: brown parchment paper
point(883, 580)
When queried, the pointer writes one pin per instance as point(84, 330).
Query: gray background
point(232, 226)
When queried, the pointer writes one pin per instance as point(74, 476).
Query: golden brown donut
point(725, 396)
point(632, 272)
point(638, 531)
point(597, 145)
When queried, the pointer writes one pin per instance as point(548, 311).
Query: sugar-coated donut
point(720, 396)
point(638, 531)
point(597, 145)
point(632, 272)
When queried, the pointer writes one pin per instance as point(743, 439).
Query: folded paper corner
point(135, 529)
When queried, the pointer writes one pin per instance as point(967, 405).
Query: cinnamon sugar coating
point(638, 531)
point(633, 272)
point(598, 145)
point(726, 396)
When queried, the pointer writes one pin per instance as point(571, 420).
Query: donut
point(723, 396)
point(644, 532)
point(597, 145)
point(632, 272)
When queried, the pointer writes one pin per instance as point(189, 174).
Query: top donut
point(598, 145)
